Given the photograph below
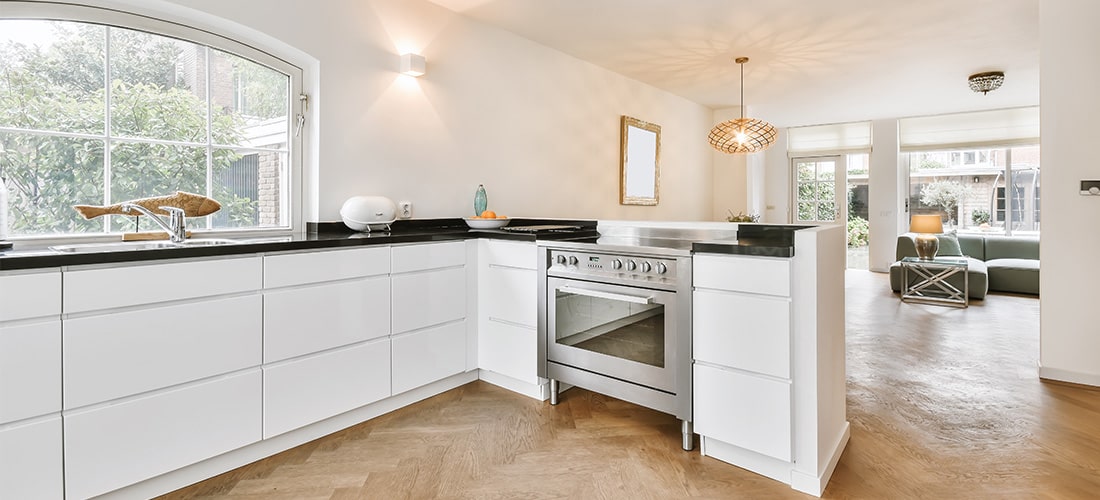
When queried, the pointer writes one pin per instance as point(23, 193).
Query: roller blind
point(836, 138)
point(980, 129)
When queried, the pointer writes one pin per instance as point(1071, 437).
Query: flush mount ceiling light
point(742, 135)
point(984, 82)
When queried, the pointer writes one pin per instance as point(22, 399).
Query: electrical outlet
point(404, 210)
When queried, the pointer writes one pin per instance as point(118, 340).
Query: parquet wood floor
point(943, 402)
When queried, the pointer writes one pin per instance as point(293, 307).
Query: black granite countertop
point(317, 236)
point(762, 240)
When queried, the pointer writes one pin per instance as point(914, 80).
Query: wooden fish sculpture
point(193, 205)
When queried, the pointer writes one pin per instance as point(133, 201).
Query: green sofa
point(995, 263)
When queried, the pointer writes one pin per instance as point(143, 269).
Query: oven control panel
point(632, 267)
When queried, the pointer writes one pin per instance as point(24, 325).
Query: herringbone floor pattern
point(944, 403)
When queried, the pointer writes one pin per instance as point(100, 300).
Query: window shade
point(981, 129)
point(836, 138)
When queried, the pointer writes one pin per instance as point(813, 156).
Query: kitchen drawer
point(109, 447)
point(510, 350)
point(92, 289)
point(315, 267)
point(30, 370)
point(743, 410)
point(307, 390)
point(523, 255)
point(765, 275)
point(425, 356)
point(421, 257)
point(29, 295)
point(114, 355)
point(300, 321)
point(30, 460)
point(509, 294)
point(428, 298)
point(749, 332)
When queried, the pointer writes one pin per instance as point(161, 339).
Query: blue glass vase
point(481, 201)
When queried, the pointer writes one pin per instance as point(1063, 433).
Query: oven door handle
point(606, 295)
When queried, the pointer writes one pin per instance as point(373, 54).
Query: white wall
point(1070, 337)
point(538, 128)
point(886, 210)
point(777, 187)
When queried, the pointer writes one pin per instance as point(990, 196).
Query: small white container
point(363, 213)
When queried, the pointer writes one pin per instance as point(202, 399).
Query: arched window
point(98, 107)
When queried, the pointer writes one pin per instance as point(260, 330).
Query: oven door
point(623, 332)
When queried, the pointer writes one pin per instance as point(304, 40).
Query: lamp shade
point(926, 224)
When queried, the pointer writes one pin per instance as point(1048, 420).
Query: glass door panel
point(816, 189)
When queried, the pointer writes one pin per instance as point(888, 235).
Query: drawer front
point(315, 267)
point(771, 276)
point(508, 350)
point(30, 370)
point(428, 256)
point(523, 255)
point(30, 461)
point(509, 294)
point(29, 295)
point(121, 354)
point(308, 390)
point(429, 298)
point(743, 410)
point(119, 445)
point(749, 332)
point(305, 320)
point(92, 289)
point(426, 356)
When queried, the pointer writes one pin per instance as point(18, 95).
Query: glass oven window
point(635, 332)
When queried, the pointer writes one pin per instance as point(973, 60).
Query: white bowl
point(487, 223)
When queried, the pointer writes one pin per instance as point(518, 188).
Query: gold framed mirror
point(639, 162)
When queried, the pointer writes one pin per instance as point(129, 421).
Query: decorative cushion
point(949, 245)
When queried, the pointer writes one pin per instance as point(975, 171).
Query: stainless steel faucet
point(176, 226)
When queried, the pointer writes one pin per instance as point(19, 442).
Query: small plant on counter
point(742, 217)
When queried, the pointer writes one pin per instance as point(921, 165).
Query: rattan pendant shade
point(742, 135)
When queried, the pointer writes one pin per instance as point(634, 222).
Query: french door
point(820, 193)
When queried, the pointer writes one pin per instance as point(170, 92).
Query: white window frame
point(129, 20)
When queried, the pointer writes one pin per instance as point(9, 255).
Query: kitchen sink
point(122, 246)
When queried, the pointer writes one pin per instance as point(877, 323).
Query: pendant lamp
point(742, 135)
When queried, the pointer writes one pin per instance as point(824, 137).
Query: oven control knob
point(661, 268)
point(631, 265)
point(646, 267)
point(616, 264)
point(561, 259)
point(573, 260)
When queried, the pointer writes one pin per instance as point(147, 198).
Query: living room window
point(99, 107)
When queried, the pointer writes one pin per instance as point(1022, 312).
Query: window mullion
point(107, 97)
point(209, 134)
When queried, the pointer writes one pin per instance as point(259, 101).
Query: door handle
point(634, 299)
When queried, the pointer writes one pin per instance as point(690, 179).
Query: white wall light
point(412, 64)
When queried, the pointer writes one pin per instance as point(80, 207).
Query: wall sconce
point(412, 64)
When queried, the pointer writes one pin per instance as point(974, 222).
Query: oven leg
point(553, 392)
point(689, 436)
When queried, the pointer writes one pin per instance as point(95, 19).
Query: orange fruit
point(489, 214)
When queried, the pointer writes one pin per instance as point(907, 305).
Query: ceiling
point(811, 61)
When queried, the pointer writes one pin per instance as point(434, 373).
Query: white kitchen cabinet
point(29, 295)
point(302, 391)
point(748, 411)
point(113, 446)
point(424, 356)
point(30, 459)
point(300, 321)
point(108, 356)
point(30, 369)
point(758, 340)
point(106, 288)
point(425, 298)
point(762, 275)
point(508, 309)
point(326, 265)
point(420, 257)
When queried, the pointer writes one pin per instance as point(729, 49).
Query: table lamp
point(926, 227)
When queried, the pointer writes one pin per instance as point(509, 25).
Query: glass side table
point(929, 281)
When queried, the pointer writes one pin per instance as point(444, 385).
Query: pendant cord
point(742, 91)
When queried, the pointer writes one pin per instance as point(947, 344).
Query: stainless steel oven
point(617, 321)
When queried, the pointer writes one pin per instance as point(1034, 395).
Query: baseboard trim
point(815, 485)
point(764, 465)
point(226, 462)
point(540, 392)
point(1060, 375)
